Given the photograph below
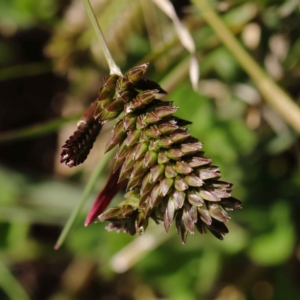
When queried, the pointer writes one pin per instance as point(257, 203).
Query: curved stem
point(114, 69)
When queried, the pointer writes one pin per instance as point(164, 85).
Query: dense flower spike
point(168, 178)
point(78, 146)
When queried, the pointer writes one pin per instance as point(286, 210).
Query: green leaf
point(274, 247)
point(10, 285)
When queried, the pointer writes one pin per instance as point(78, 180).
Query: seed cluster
point(167, 175)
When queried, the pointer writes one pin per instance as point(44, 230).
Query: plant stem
point(114, 69)
point(271, 92)
point(86, 193)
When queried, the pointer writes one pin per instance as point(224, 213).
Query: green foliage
point(258, 154)
point(276, 245)
point(25, 13)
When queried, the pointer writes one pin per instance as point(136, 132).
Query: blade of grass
point(35, 130)
point(86, 193)
point(271, 92)
point(24, 70)
point(10, 285)
point(48, 216)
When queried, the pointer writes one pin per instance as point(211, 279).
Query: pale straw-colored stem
point(114, 69)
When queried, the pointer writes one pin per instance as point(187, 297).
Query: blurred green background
point(51, 68)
